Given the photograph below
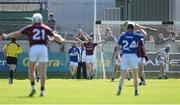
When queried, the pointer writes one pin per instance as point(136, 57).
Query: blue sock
point(11, 74)
point(119, 88)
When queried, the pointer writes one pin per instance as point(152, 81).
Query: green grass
point(66, 91)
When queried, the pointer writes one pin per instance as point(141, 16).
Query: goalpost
point(104, 52)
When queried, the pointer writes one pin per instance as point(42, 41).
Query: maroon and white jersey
point(37, 33)
point(140, 49)
point(90, 48)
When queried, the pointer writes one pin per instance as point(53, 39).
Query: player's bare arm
point(79, 40)
point(143, 31)
point(10, 35)
point(144, 27)
point(85, 37)
point(140, 26)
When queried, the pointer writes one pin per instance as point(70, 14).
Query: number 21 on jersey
point(38, 34)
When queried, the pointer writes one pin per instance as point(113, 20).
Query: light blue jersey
point(128, 41)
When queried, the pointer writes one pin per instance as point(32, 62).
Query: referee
point(11, 52)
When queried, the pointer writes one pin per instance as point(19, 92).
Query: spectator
point(51, 21)
point(82, 62)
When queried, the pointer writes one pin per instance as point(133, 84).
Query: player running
point(38, 34)
point(11, 52)
point(128, 42)
point(73, 59)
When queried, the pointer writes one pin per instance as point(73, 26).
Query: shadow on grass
point(24, 97)
point(66, 75)
point(129, 85)
point(24, 75)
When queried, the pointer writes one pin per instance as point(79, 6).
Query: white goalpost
point(102, 56)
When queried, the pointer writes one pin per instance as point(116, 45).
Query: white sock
point(33, 87)
point(42, 91)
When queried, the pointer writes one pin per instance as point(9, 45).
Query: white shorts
point(141, 60)
point(89, 59)
point(71, 63)
point(160, 61)
point(129, 61)
point(38, 53)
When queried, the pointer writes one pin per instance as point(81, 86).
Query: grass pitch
point(67, 91)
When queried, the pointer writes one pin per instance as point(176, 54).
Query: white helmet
point(37, 18)
point(131, 25)
point(130, 22)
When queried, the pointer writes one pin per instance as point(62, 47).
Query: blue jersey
point(74, 54)
point(128, 41)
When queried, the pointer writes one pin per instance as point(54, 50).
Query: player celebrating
point(73, 59)
point(162, 60)
point(89, 46)
point(11, 52)
point(37, 34)
point(128, 41)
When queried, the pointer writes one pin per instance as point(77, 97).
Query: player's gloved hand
point(146, 58)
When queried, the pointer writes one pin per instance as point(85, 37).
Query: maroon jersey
point(90, 48)
point(140, 49)
point(37, 33)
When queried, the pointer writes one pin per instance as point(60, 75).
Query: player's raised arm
point(144, 27)
point(81, 35)
point(140, 26)
point(142, 31)
point(79, 40)
point(84, 37)
point(10, 35)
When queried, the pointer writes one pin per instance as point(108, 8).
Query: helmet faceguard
point(130, 26)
